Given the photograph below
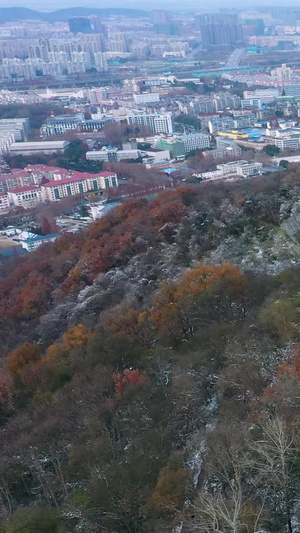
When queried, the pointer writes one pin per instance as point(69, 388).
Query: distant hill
point(65, 14)
point(11, 14)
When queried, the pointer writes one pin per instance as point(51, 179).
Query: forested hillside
point(150, 368)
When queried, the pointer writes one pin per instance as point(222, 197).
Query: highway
point(235, 58)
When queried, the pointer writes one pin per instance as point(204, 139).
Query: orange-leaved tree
point(76, 337)
point(177, 306)
point(173, 487)
point(127, 320)
point(25, 354)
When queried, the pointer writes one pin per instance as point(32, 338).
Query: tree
point(226, 514)
point(173, 487)
point(177, 309)
point(276, 456)
point(33, 520)
point(271, 150)
point(6, 394)
point(25, 354)
point(284, 164)
point(127, 379)
point(76, 337)
point(224, 505)
point(188, 120)
point(279, 318)
point(48, 225)
point(76, 150)
point(131, 322)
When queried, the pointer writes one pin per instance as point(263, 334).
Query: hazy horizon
point(132, 4)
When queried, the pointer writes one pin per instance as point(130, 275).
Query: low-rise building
point(287, 142)
point(112, 155)
point(173, 144)
point(156, 155)
point(145, 98)
point(180, 145)
point(248, 170)
point(59, 125)
point(242, 168)
point(33, 242)
point(46, 147)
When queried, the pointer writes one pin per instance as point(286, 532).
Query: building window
point(56, 194)
point(95, 185)
point(113, 181)
point(81, 188)
point(106, 181)
point(69, 192)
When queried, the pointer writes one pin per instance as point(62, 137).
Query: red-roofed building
point(79, 183)
point(26, 197)
point(38, 172)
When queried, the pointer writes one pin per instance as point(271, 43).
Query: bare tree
point(274, 461)
point(225, 504)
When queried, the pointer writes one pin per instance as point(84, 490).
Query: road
point(235, 58)
point(194, 52)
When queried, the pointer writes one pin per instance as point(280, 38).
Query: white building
point(47, 147)
point(145, 98)
point(4, 202)
point(112, 155)
point(241, 168)
point(283, 73)
point(212, 174)
point(80, 183)
point(100, 61)
point(156, 122)
point(256, 103)
point(287, 142)
point(265, 95)
point(19, 127)
point(26, 197)
point(6, 140)
point(33, 242)
point(195, 141)
point(247, 170)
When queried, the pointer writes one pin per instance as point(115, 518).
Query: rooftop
point(64, 181)
point(43, 237)
point(24, 189)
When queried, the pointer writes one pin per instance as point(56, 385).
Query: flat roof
point(39, 144)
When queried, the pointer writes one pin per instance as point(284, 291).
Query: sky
point(201, 5)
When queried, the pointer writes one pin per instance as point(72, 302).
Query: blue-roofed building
point(33, 243)
point(169, 170)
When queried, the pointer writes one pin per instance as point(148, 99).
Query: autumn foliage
point(57, 270)
point(175, 304)
point(126, 379)
point(22, 356)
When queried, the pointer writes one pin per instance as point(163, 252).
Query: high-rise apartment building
point(160, 17)
point(156, 122)
point(97, 25)
point(219, 29)
point(80, 25)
